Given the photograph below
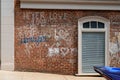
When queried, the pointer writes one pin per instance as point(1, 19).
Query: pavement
point(13, 75)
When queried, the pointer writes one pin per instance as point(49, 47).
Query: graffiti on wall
point(53, 38)
point(115, 43)
point(59, 27)
point(34, 18)
point(61, 51)
point(66, 35)
point(41, 18)
point(37, 39)
point(115, 49)
point(62, 37)
point(31, 38)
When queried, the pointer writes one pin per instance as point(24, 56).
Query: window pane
point(100, 25)
point(93, 24)
point(86, 25)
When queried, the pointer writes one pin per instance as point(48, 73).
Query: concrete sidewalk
point(7, 75)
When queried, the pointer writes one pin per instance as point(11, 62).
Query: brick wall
point(46, 40)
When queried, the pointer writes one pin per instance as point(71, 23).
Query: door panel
point(93, 50)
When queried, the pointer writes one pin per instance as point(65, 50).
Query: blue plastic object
point(110, 73)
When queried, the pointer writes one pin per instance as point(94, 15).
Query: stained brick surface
point(47, 40)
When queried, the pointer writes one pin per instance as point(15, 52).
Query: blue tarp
point(111, 73)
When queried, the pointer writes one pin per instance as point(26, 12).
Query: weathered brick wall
point(114, 49)
point(46, 40)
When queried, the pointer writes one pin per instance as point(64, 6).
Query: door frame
point(81, 29)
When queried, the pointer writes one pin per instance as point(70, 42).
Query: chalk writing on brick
point(37, 39)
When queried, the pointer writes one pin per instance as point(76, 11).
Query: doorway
point(92, 44)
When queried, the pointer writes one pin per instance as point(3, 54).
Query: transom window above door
point(94, 24)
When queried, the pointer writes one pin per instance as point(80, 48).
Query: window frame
point(81, 29)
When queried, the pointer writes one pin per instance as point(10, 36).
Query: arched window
point(92, 43)
point(94, 24)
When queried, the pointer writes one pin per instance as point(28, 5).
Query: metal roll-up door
point(93, 50)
